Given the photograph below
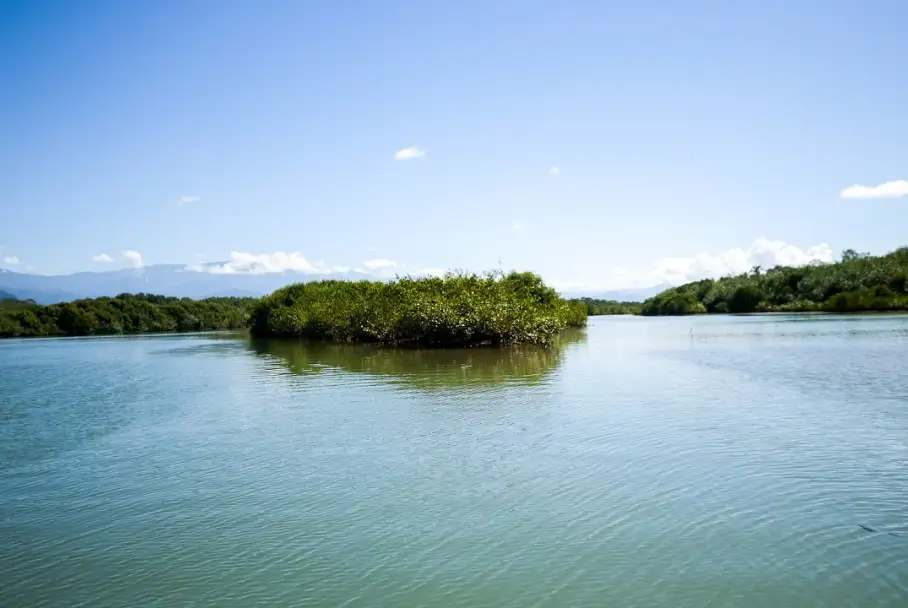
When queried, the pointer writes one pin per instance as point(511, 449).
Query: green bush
point(745, 298)
point(672, 303)
point(455, 310)
point(879, 298)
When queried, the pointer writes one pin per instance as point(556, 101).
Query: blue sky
point(688, 137)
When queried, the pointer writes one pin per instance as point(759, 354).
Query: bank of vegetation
point(455, 310)
point(858, 282)
point(123, 314)
point(596, 307)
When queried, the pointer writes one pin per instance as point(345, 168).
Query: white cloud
point(679, 270)
point(762, 252)
point(896, 189)
point(186, 199)
point(517, 226)
point(11, 260)
point(379, 264)
point(102, 257)
point(242, 262)
point(554, 171)
point(618, 278)
point(133, 258)
point(409, 153)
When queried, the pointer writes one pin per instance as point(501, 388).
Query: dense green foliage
point(673, 302)
point(859, 282)
point(456, 310)
point(124, 314)
point(596, 307)
point(10, 303)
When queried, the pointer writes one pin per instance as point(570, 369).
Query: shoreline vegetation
point(859, 282)
point(458, 309)
point(124, 314)
point(595, 308)
point(463, 309)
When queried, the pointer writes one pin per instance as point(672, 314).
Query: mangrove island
point(458, 309)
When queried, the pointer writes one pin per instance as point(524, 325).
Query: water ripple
point(628, 468)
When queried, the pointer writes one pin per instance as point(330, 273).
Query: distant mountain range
point(178, 280)
point(164, 279)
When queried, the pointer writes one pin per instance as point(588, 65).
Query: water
point(723, 461)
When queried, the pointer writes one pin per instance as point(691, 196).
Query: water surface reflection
point(424, 368)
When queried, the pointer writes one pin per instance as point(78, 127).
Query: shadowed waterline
point(432, 368)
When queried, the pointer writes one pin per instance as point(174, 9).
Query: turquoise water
point(722, 461)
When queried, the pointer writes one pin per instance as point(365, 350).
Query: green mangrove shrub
point(458, 309)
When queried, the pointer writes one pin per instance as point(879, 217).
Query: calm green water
point(641, 463)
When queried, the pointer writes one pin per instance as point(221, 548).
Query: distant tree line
point(596, 307)
point(465, 309)
point(123, 314)
point(858, 282)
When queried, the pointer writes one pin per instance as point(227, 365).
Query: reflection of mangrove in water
point(423, 368)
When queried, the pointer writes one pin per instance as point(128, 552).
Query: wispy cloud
point(132, 258)
point(762, 252)
point(517, 226)
point(102, 257)
point(409, 153)
point(896, 189)
point(379, 264)
point(554, 171)
point(11, 260)
point(244, 262)
point(187, 199)
point(263, 263)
